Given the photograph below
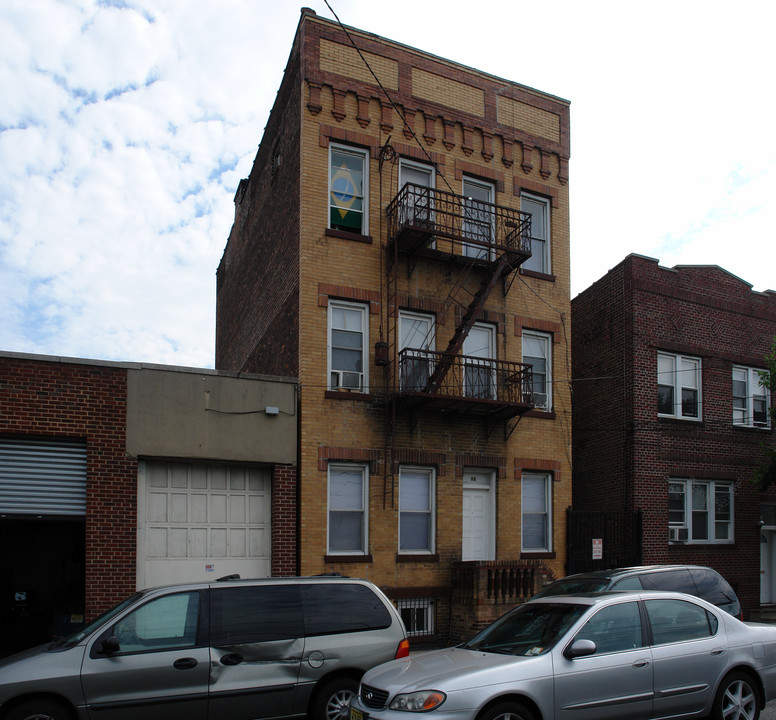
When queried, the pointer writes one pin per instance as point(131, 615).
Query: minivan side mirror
point(579, 648)
point(110, 645)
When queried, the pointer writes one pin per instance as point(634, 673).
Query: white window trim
point(677, 358)
point(753, 381)
point(687, 524)
point(488, 252)
point(432, 510)
point(547, 477)
point(364, 349)
point(545, 202)
point(365, 508)
point(403, 162)
point(356, 151)
point(548, 339)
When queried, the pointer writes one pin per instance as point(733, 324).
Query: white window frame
point(428, 344)
point(477, 220)
point(331, 508)
point(479, 370)
point(675, 375)
point(351, 150)
point(545, 256)
point(744, 405)
point(429, 511)
point(546, 479)
point(687, 493)
point(334, 305)
point(545, 339)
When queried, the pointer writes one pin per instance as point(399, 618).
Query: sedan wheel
point(39, 710)
point(737, 699)
point(507, 711)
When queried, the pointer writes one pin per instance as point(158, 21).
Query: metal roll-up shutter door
point(42, 478)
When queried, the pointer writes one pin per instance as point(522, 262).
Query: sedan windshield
point(530, 629)
point(574, 586)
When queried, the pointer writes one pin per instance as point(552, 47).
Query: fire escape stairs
point(442, 367)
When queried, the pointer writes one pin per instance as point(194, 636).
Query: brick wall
point(61, 400)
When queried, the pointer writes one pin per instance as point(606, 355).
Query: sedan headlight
point(420, 701)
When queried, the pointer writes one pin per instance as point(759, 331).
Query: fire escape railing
point(467, 377)
point(420, 217)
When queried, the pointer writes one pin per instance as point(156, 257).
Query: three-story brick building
point(402, 247)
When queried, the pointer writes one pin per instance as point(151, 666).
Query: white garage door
point(201, 521)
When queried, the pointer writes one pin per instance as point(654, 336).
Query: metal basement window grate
point(418, 615)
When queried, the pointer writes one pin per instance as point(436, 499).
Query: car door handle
point(641, 663)
point(231, 659)
point(185, 664)
point(718, 651)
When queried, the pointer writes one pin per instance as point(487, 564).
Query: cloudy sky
point(126, 125)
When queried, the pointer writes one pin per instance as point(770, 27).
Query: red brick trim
point(327, 133)
point(419, 457)
point(419, 558)
point(415, 153)
point(341, 292)
point(537, 465)
point(520, 185)
point(344, 235)
point(462, 167)
point(328, 454)
point(462, 460)
point(497, 318)
point(523, 322)
point(408, 302)
point(284, 506)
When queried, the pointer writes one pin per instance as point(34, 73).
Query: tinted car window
point(678, 621)
point(614, 628)
point(628, 583)
point(574, 586)
point(341, 608)
point(241, 615)
point(675, 580)
point(713, 587)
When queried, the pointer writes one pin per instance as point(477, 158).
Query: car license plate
point(356, 714)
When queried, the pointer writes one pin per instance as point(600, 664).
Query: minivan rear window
point(674, 580)
point(341, 608)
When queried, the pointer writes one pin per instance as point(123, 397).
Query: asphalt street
point(769, 711)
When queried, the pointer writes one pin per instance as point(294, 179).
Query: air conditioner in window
point(677, 534)
point(343, 380)
point(540, 400)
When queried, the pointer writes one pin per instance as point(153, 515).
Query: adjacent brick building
point(402, 247)
point(670, 418)
point(118, 476)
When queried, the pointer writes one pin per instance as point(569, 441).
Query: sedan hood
point(456, 668)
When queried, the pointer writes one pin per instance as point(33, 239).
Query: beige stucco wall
point(210, 415)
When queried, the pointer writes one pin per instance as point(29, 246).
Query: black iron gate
point(614, 536)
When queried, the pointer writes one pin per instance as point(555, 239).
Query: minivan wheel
point(332, 701)
point(737, 699)
point(507, 711)
point(39, 710)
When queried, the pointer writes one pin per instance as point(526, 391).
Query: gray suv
point(703, 582)
point(236, 649)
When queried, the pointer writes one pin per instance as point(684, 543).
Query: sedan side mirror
point(580, 648)
point(110, 645)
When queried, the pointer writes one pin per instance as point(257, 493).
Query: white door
point(201, 521)
point(478, 220)
point(478, 535)
point(479, 347)
point(767, 574)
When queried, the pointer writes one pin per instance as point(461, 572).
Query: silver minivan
point(236, 649)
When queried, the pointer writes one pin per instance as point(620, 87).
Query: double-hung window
point(679, 386)
point(536, 514)
point(537, 349)
point(539, 210)
point(751, 406)
point(348, 503)
point(348, 345)
point(416, 510)
point(417, 208)
point(478, 223)
point(416, 345)
point(348, 183)
point(700, 511)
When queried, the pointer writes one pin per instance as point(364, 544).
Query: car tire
point(39, 710)
point(332, 700)
point(737, 699)
point(507, 711)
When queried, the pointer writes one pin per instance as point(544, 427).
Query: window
point(348, 487)
point(164, 623)
point(417, 615)
point(241, 615)
point(700, 511)
point(539, 210)
point(479, 372)
point(537, 348)
point(614, 629)
point(418, 209)
point(341, 608)
point(751, 404)
point(536, 519)
point(679, 386)
point(679, 621)
point(478, 219)
point(347, 346)
point(416, 510)
point(416, 340)
point(348, 183)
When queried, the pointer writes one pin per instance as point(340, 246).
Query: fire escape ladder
point(467, 321)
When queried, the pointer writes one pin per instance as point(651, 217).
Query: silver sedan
point(624, 656)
